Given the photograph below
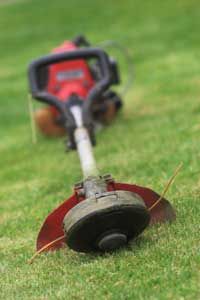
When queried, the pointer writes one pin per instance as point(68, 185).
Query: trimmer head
point(104, 222)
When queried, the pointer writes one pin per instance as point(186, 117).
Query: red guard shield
point(52, 227)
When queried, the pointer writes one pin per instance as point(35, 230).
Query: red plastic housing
point(69, 77)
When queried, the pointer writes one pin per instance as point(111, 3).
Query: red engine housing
point(69, 77)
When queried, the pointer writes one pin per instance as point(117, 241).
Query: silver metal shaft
point(84, 146)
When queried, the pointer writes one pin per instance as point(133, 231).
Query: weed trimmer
point(102, 214)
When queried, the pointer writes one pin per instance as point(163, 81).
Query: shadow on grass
point(78, 259)
point(141, 243)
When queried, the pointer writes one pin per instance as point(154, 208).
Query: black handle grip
point(100, 87)
point(43, 96)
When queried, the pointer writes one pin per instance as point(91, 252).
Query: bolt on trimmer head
point(102, 214)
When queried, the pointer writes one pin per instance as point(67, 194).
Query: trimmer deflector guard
point(52, 228)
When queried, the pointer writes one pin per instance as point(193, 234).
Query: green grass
point(158, 128)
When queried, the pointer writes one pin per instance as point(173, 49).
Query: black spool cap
point(112, 241)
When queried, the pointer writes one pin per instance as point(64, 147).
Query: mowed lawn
point(158, 128)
